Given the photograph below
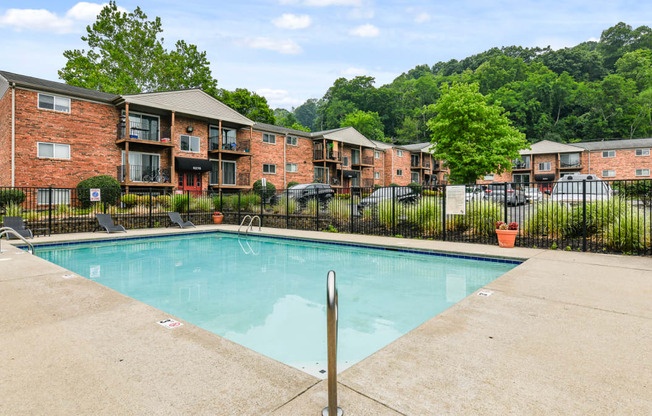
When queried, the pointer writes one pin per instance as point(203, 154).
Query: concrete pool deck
point(562, 333)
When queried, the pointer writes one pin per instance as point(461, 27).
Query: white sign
point(95, 195)
point(485, 293)
point(169, 323)
point(456, 200)
point(263, 182)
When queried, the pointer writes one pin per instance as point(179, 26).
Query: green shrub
point(164, 201)
point(629, 232)
point(339, 210)
point(201, 204)
point(217, 203)
point(291, 184)
point(551, 219)
point(312, 206)
point(427, 214)
point(286, 206)
point(267, 193)
point(393, 184)
point(416, 188)
point(130, 200)
point(343, 196)
point(14, 210)
point(11, 196)
point(180, 202)
point(481, 217)
point(109, 188)
point(249, 202)
point(385, 211)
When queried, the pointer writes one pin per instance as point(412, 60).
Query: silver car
point(571, 189)
point(533, 194)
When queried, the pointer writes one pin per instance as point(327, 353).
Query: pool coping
point(362, 392)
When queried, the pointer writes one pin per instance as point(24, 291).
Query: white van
point(570, 189)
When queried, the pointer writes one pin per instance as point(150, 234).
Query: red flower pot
point(217, 218)
point(506, 238)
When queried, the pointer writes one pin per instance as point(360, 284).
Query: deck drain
point(68, 276)
point(485, 293)
point(170, 323)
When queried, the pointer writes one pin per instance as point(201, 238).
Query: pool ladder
point(250, 225)
point(8, 230)
point(331, 332)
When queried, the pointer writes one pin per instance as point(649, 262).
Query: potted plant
point(506, 233)
point(217, 217)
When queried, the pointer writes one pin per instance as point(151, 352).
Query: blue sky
point(292, 50)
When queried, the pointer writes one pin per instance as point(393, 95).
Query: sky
point(292, 50)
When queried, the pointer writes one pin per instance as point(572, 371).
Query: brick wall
point(301, 154)
point(5, 139)
point(267, 153)
point(402, 163)
point(89, 129)
point(624, 163)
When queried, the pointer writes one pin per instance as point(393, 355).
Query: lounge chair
point(18, 225)
point(105, 221)
point(175, 219)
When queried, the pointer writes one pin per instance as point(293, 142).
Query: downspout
point(13, 134)
point(285, 166)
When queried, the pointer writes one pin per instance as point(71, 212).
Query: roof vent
point(590, 178)
point(569, 178)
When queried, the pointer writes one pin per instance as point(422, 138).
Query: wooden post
point(219, 158)
point(173, 172)
point(127, 136)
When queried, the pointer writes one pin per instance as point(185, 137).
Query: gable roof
point(418, 147)
point(56, 87)
point(194, 102)
point(547, 146)
point(281, 129)
point(347, 135)
point(616, 144)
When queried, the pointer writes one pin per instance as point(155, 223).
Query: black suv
point(307, 191)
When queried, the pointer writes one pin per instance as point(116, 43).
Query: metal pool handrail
point(8, 230)
point(331, 331)
point(250, 225)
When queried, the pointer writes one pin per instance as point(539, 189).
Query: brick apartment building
point(53, 134)
point(548, 161)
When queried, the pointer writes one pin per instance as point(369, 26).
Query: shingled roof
point(56, 87)
point(616, 144)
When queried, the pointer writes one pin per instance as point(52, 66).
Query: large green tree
point(366, 122)
point(474, 138)
point(249, 104)
point(126, 56)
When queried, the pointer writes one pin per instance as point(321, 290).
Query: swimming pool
point(269, 294)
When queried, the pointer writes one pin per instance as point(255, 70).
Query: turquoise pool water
point(270, 294)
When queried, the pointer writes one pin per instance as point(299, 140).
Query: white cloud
point(352, 72)
point(365, 31)
point(45, 20)
point(362, 13)
point(422, 18)
point(324, 3)
point(285, 46)
point(279, 98)
point(291, 21)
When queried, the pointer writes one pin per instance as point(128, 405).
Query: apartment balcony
point(436, 166)
point(521, 166)
point(367, 183)
point(326, 155)
point(416, 165)
point(240, 147)
point(144, 176)
point(240, 181)
point(364, 161)
point(570, 165)
point(139, 133)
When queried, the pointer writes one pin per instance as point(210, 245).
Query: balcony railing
point(238, 145)
point(367, 183)
point(521, 165)
point(573, 164)
point(241, 180)
point(366, 160)
point(138, 131)
point(436, 166)
point(321, 154)
point(143, 174)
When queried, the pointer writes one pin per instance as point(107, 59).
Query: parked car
point(403, 194)
point(304, 192)
point(570, 188)
point(533, 194)
point(495, 191)
point(473, 193)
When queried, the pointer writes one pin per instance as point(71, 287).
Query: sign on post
point(96, 195)
point(263, 182)
point(456, 200)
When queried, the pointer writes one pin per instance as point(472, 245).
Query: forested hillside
point(595, 90)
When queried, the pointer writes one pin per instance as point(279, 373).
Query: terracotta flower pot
point(506, 238)
point(217, 218)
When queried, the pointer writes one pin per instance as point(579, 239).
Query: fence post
point(351, 210)
point(443, 212)
point(287, 208)
point(505, 200)
point(149, 202)
point(317, 211)
point(584, 215)
point(49, 210)
point(239, 197)
point(393, 210)
point(263, 192)
point(188, 205)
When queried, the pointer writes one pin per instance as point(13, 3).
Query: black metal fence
point(597, 216)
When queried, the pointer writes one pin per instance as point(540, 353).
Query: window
point(488, 177)
point(143, 167)
point(609, 153)
point(642, 152)
point(53, 151)
point(545, 167)
point(321, 174)
point(642, 172)
point(291, 167)
point(399, 153)
point(268, 168)
point(345, 161)
point(376, 154)
point(521, 178)
point(52, 102)
point(415, 177)
point(228, 173)
point(59, 196)
point(292, 141)
point(269, 138)
point(190, 143)
point(608, 173)
point(376, 175)
point(141, 126)
point(355, 156)
point(570, 160)
point(399, 172)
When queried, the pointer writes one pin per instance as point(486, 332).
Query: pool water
point(269, 294)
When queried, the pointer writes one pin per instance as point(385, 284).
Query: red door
point(190, 181)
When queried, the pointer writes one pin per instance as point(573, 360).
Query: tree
point(306, 113)
point(126, 56)
point(473, 137)
point(367, 123)
point(249, 104)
